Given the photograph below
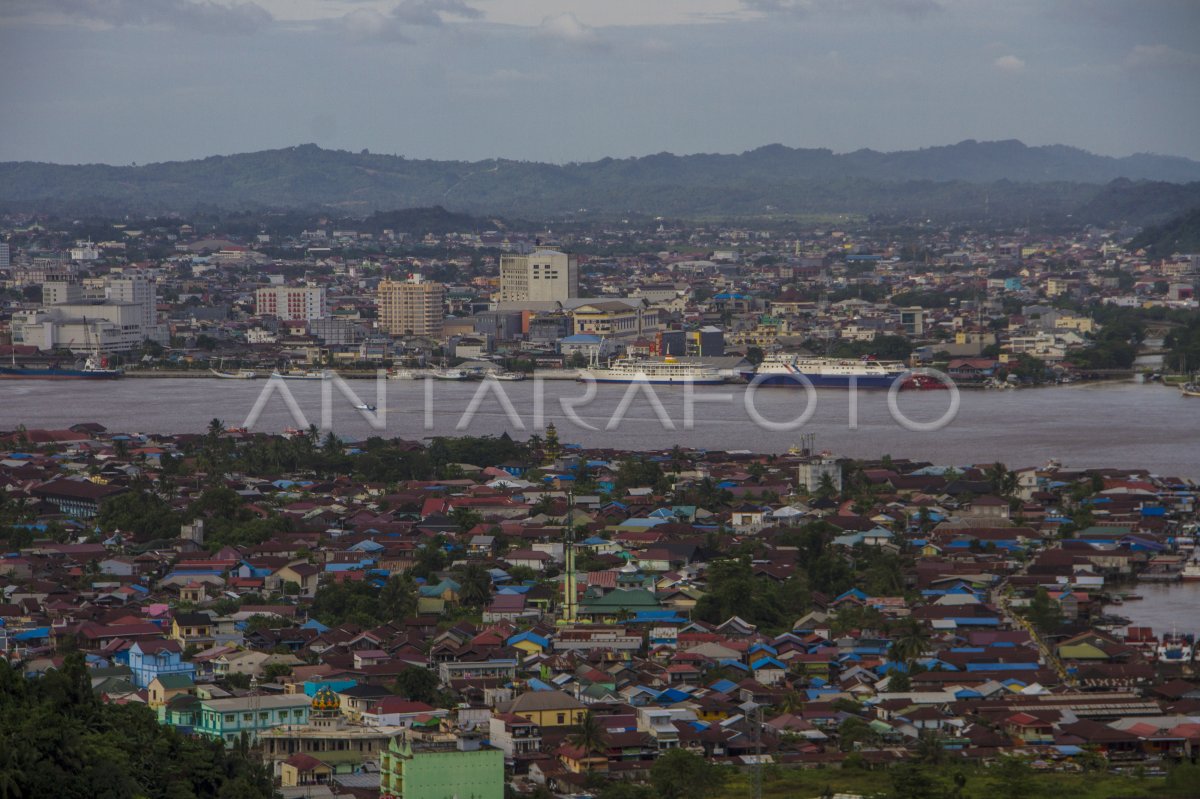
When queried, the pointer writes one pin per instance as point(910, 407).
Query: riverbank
point(345, 374)
point(1078, 425)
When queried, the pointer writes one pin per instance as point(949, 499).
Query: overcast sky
point(122, 81)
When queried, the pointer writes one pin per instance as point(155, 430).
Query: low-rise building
point(440, 764)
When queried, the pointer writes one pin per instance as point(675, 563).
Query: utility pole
point(754, 714)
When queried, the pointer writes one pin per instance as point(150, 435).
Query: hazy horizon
point(123, 81)
point(834, 150)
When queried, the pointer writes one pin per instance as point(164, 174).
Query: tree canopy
point(59, 740)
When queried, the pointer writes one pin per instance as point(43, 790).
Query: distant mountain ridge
point(969, 178)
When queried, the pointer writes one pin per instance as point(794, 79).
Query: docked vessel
point(299, 375)
point(93, 369)
point(825, 372)
point(667, 371)
point(1176, 648)
point(1191, 572)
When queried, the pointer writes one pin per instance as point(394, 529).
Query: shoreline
point(564, 374)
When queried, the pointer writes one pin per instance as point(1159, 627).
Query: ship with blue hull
point(841, 373)
point(92, 369)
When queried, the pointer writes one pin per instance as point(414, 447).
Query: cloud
point(1159, 56)
point(1009, 63)
point(566, 29)
point(207, 16)
point(367, 24)
point(907, 8)
point(655, 46)
point(430, 12)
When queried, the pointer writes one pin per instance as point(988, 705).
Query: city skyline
point(122, 82)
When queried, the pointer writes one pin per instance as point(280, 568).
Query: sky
point(138, 81)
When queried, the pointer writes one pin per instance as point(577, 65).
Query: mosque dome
point(325, 699)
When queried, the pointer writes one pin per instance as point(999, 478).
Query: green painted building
point(617, 604)
point(438, 765)
point(227, 719)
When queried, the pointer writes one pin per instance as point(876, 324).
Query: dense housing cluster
point(392, 618)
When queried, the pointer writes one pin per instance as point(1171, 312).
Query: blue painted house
point(150, 659)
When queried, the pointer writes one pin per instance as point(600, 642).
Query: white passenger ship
point(644, 370)
point(785, 370)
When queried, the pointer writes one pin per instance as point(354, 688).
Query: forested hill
point(1181, 234)
point(1003, 180)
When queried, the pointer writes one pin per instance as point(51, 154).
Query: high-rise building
point(291, 302)
point(412, 307)
point(134, 289)
point(541, 276)
point(109, 315)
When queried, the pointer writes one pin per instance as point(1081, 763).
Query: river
point(1104, 424)
point(1164, 607)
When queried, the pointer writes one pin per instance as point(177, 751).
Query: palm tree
point(929, 748)
point(465, 518)
point(678, 459)
point(792, 702)
point(1002, 481)
point(910, 641)
point(589, 737)
point(825, 487)
point(475, 585)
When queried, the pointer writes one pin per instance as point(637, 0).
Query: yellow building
point(411, 308)
point(192, 628)
point(1080, 324)
point(301, 770)
point(616, 319)
point(165, 687)
point(546, 708)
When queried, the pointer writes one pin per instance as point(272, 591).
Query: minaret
point(570, 599)
point(551, 448)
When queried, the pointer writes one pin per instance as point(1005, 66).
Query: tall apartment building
point(412, 307)
point(291, 302)
point(541, 276)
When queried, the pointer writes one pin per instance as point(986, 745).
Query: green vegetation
point(679, 774)
point(363, 604)
point(887, 348)
point(139, 511)
point(997, 181)
point(949, 781)
point(57, 739)
point(420, 685)
point(1183, 347)
point(1181, 234)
